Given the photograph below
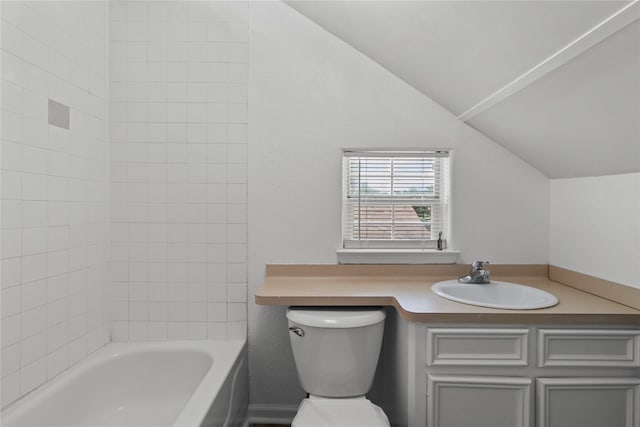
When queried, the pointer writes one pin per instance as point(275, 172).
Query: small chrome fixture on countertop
point(477, 274)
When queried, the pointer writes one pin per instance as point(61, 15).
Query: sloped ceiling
point(555, 82)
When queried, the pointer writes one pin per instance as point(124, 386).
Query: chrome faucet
point(477, 274)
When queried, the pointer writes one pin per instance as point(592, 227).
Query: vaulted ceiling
point(555, 82)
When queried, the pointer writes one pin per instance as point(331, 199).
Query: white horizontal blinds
point(394, 198)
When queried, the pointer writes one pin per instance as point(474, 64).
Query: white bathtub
point(186, 383)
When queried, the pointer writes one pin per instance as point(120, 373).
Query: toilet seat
point(352, 412)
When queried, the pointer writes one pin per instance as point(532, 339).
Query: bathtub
point(186, 383)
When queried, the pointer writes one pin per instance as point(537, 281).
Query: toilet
point(336, 352)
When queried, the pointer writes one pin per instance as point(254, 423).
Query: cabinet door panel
point(476, 346)
point(586, 347)
point(468, 401)
point(588, 402)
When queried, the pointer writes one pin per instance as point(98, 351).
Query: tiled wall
point(55, 204)
point(178, 96)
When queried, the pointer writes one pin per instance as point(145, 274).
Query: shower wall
point(178, 92)
point(55, 203)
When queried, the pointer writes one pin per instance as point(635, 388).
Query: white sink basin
point(504, 295)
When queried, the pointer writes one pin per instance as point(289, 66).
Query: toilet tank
point(336, 349)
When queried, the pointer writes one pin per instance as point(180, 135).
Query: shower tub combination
point(172, 384)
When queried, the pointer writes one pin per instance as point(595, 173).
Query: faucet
point(477, 274)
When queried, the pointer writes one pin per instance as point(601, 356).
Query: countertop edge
point(620, 314)
point(504, 317)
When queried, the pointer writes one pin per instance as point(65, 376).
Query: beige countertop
point(408, 289)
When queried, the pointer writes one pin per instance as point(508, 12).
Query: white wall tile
point(57, 337)
point(197, 311)
point(34, 213)
point(138, 330)
point(217, 292)
point(217, 330)
point(11, 36)
point(11, 97)
point(170, 170)
point(34, 240)
point(216, 312)
point(32, 349)
point(158, 331)
point(44, 169)
point(77, 350)
point(177, 331)
point(11, 301)
point(10, 390)
point(197, 330)
point(11, 243)
point(10, 272)
point(32, 376)
point(57, 362)
point(158, 291)
point(11, 126)
point(11, 156)
point(178, 311)
point(10, 357)
point(11, 184)
point(33, 294)
point(237, 292)
point(11, 330)
point(34, 186)
point(138, 310)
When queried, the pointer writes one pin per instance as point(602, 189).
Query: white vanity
point(445, 375)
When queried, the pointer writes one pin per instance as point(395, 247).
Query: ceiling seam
point(606, 28)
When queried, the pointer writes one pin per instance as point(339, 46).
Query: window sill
point(396, 256)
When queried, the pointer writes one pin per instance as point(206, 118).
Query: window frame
point(398, 250)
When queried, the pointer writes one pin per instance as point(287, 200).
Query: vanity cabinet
point(475, 399)
point(520, 376)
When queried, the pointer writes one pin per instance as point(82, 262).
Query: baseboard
point(271, 414)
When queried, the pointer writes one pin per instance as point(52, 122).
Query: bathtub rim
point(224, 355)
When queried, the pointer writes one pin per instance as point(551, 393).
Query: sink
point(504, 295)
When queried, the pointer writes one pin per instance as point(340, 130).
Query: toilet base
point(339, 412)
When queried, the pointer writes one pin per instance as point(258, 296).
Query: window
point(394, 199)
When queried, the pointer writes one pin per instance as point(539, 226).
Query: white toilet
point(336, 351)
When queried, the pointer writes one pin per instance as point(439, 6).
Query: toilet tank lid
point(336, 317)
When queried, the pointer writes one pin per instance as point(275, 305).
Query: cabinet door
point(588, 402)
point(469, 401)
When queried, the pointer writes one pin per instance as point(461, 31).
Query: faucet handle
point(478, 265)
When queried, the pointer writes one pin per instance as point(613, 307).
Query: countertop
point(408, 289)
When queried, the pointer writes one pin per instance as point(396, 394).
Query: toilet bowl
point(336, 351)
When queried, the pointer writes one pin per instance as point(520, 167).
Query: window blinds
point(394, 199)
